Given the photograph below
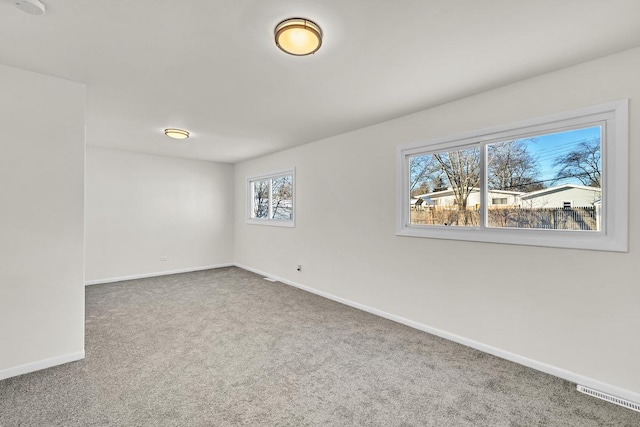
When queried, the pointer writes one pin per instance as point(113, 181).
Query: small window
point(558, 181)
point(271, 199)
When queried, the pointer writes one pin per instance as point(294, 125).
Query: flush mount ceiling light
point(32, 7)
point(298, 36)
point(176, 133)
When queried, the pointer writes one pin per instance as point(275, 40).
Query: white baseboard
point(41, 364)
point(516, 358)
point(160, 273)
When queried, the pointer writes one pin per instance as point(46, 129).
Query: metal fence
point(568, 218)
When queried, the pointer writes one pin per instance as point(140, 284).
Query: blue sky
point(547, 148)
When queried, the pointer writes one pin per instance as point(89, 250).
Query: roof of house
point(557, 189)
point(450, 192)
point(512, 193)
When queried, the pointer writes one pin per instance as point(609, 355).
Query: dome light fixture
point(298, 36)
point(32, 7)
point(176, 133)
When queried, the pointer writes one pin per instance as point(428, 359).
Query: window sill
point(599, 241)
point(272, 222)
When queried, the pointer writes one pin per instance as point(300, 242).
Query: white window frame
point(613, 235)
point(271, 221)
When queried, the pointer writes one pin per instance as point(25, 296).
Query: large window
point(271, 199)
point(554, 181)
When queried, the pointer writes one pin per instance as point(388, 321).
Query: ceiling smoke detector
point(32, 7)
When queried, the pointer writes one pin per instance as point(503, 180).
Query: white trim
point(614, 119)
point(40, 364)
point(159, 273)
point(516, 358)
point(272, 222)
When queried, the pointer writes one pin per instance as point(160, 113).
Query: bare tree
point(583, 164)
point(282, 197)
point(511, 167)
point(462, 169)
point(261, 199)
point(423, 188)
point(421, 173)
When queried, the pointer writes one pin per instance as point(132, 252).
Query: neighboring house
point(562, 196)
point(420, 202)
point(495, 197)
point(447, 198)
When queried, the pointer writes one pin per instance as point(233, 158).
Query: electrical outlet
point(163, 258)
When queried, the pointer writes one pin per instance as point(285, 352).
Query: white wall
point(140, 207)
point(580, 316)
point(41, 227)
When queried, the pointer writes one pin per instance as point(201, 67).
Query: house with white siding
point(562, 196)
point(447, 198)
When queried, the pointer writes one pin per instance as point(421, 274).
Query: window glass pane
point(550, 181)
point(260, 191)
point(444, 188)
point(282, 202)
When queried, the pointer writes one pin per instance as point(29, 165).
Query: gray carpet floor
point(227, 348)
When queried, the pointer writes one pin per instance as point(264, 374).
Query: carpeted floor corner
point(226, 348)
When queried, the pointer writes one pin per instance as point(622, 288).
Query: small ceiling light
point(32, 7)
point(298, 36)
point(176, 133)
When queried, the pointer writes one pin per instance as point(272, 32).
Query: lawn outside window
point(270, 199)
point(557, 181)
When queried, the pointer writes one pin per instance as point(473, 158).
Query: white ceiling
point(211, 66)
